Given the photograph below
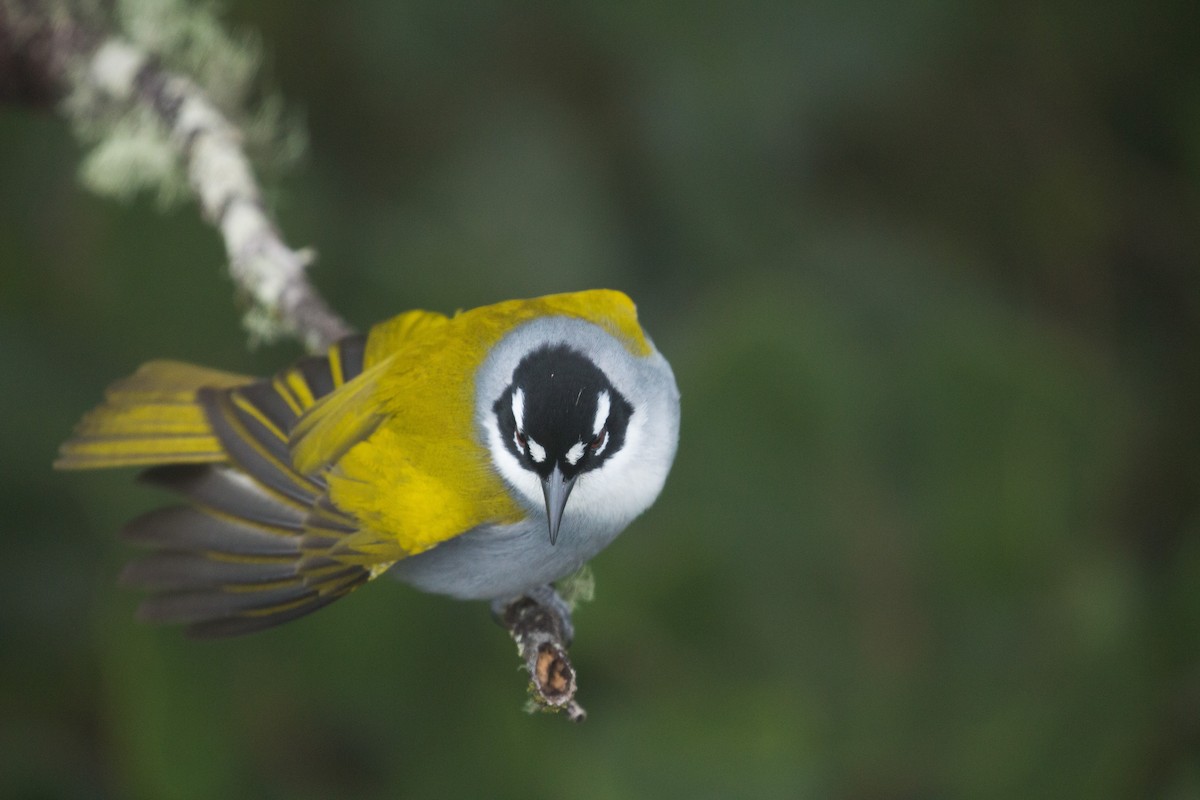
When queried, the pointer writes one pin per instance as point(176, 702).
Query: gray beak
point(557, 490)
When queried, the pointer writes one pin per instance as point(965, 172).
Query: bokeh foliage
point(927, 274)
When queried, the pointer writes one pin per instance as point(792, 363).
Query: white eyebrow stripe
point(518, 408)
point(536, 451)
point(575, 453)
point(603, 404)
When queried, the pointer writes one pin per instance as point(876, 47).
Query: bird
point(479, 455)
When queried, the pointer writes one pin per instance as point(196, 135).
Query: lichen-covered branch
point(48, 54)
point(59, 53)
point(261, 263)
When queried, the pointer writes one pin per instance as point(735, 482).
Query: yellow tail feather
point(149, 418)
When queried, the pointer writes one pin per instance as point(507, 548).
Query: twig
point(45, 52)
point(540, 623)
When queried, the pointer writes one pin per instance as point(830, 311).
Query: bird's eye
point(519, 438)
point(599, 440)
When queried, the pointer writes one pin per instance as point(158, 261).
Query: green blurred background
point(927, 274)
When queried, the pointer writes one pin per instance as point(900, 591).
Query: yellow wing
point(343, 418)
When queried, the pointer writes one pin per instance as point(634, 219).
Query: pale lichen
point(131, 147)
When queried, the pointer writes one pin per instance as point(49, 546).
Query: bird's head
point(560, 417)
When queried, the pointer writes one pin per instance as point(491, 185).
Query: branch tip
point(540, 624)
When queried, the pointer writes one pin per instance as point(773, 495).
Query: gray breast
point(502, 561)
